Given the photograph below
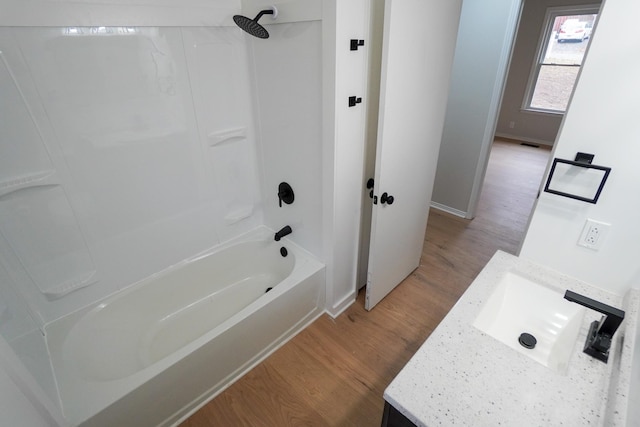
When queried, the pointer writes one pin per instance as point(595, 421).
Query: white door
point(417, 54)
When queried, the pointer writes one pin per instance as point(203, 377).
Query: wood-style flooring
point(335, 371)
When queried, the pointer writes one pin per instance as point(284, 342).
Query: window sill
point(542, 112)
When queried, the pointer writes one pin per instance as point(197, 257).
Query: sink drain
point(527, 340)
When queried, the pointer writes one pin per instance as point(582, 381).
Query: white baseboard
point(342, 305)
point(524, 139)
point(448, 209)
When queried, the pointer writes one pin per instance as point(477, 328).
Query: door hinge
point(370, 187)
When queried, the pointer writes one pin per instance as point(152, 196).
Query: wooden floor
point(334, 372)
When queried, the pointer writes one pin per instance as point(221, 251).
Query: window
point(567, 32)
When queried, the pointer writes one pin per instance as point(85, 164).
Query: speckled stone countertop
point(461, 376)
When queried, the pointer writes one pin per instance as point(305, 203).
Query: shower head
point(251, 26)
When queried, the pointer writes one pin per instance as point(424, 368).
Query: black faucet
point(601, 332)
point(283, 232)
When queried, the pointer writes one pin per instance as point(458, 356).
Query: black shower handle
point(285, 194)
point(386, 198)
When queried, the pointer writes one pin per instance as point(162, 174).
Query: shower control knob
point(285, 194)
point(386, 198)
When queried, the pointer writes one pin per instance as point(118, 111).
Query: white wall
point(602, 120)
point(480, 63)
point(345, 74)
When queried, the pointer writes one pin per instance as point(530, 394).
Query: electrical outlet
point(593, 234)
point(512, 124)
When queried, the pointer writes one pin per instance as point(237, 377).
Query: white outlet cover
point(593, 234)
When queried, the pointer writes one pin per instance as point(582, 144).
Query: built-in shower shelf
point(238, 214)
point(62, 289)
point(40, 227)
point(36, 179)
point(217, 138)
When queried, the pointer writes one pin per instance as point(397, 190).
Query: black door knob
point(386, 198)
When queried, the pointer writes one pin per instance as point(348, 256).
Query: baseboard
point(449, 210)
point(524, 139)
point(342, 305)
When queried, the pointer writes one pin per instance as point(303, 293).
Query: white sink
point(519, 305)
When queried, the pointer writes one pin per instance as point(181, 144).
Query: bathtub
point(155, 352)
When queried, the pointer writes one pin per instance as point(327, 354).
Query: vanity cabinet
point(391, 417)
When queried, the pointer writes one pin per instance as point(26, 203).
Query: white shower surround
point(155, 145)
point(221, 121)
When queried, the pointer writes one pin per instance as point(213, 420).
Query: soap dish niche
point(62, 289)
point(227, 136)
point(238, 213)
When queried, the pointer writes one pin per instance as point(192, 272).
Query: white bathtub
point(153, 353)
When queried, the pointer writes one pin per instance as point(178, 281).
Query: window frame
point(543, 43)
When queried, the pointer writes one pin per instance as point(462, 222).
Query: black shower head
point(251, 26)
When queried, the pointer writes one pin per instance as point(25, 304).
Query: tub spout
point(283, 232)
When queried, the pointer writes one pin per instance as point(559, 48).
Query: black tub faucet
point(283, 232)
point(601, 332)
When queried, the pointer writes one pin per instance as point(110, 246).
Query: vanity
point(474, 370)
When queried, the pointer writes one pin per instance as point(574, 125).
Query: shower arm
point(263, 12)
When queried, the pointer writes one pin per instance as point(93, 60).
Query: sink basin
point(518, 305)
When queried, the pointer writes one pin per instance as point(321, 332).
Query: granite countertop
point(461, 376)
